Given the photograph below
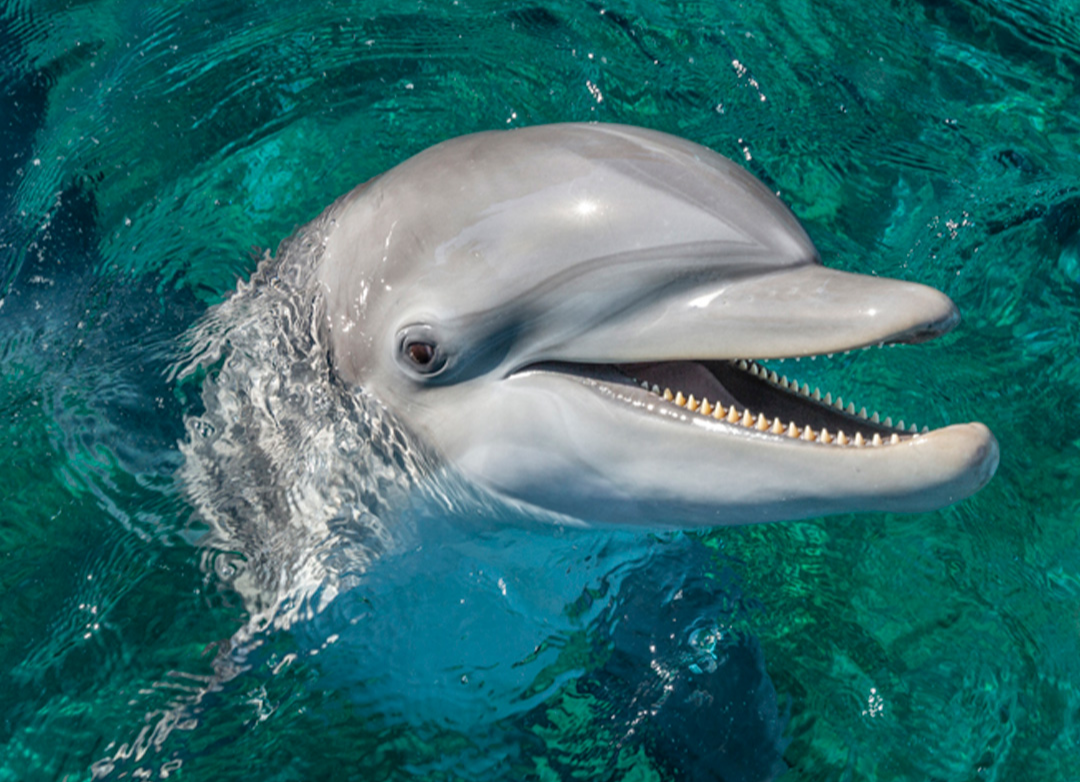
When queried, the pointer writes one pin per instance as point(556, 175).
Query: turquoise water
point(149, 154)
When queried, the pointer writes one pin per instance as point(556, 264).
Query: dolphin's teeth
point(759, 422)
point(830, 355)
point(925, 429)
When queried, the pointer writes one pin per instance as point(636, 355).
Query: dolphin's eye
point(421, 353)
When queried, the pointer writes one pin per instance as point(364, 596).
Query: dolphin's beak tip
point(983, 455)
point(988, 455)
point(940, 312)
point(951, 314)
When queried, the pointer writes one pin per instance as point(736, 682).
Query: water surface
point(151, 152)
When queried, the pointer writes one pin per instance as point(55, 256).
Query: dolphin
point(572, 316)
point(561, 324)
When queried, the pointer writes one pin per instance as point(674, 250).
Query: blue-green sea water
point(150, 152)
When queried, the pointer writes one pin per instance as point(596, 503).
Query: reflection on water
point(149, 148)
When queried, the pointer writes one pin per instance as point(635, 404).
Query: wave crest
point(299, 479)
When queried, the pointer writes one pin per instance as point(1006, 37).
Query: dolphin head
point(570, 316)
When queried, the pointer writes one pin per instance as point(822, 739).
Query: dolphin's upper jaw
point(801, 312)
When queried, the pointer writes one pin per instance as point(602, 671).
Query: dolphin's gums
point(569, 316)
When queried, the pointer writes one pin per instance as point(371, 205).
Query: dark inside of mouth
point(725, 382)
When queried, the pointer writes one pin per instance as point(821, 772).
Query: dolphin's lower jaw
point(823, 455)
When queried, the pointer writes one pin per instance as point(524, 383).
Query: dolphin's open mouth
point(745, 393)
point(741, 393)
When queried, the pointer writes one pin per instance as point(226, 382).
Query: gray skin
point(503, 294)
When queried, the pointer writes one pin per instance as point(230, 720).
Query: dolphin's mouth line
point(746, 395)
